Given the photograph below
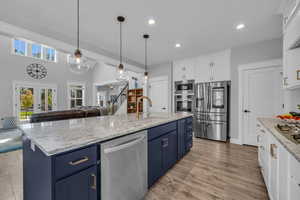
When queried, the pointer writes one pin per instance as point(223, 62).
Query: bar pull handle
point(258, 138)
point(94, 184)
point(165, 142)
point(272, 150)
point(78, 162)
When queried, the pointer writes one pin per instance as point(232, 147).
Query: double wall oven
point(211, 112)
point(184, 96)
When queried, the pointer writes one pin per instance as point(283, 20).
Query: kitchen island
point(62, 159)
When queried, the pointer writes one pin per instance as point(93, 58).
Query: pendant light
point(120, 68)
point(146, 37)
point(78, 63)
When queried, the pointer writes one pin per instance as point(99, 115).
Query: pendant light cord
point(121, 44)
point(146, 54)
point(78, 24)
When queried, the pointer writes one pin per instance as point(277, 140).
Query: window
point(34, 50)
point(19, 47)
point(76, 95)
point(50, 54)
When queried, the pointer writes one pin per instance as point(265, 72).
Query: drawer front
point(75, 161)
point(161, 130)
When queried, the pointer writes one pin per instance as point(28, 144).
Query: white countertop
point(61, 136)
point(269, 124)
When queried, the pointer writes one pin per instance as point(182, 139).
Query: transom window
point(34, 50)
point(76, 95)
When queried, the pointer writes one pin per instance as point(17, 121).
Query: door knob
point(247, 111)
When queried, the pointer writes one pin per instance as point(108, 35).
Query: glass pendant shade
point(121, 73)
point(78, 63)
point(146, 76)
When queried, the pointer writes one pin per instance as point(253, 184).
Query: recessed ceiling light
point(177, 45)
point(240, 26)
point(151, 21)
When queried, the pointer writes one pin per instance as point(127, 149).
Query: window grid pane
point(36, 51)
point(19, 47)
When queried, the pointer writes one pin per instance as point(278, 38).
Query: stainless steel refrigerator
point(211, 112)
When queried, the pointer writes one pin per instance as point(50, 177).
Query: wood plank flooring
point(211, 171)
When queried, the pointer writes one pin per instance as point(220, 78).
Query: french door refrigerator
point(211, 113)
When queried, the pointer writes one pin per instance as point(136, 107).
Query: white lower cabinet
point(294, 179)
point(280, 170)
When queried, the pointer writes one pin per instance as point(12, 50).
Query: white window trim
point(29, 53)
point(15, 84)
point(83, 85)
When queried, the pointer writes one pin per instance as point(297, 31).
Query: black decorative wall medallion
point(36, 71)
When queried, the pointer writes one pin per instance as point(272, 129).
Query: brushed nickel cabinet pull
point(272, 150)
point(94, 185)
point(78, 162)
point(258, 138)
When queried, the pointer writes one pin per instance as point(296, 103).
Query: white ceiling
point(201, 26)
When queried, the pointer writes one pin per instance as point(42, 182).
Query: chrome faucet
point(138, 105)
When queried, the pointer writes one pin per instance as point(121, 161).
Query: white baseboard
point(235, 141)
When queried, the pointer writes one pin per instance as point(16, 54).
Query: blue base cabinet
point(167, 144)
point(75, 175)
point(82, 185)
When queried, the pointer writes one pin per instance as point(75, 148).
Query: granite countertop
point(61, 136)
point(269, 124)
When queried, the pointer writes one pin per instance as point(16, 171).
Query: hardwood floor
point(211, 171)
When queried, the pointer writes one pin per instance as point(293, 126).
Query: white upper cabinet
point(291, 55)
point(184, 70)
point(220, 66)
point(203, 71)
point(212, 67)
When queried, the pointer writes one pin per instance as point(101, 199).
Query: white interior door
point(33, 98)
point(262, 97)
point(158, 93)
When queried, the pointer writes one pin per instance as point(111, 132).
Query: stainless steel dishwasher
point(124, 167)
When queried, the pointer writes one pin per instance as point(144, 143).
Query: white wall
point(164, 70)
point(262, 51)
point(257, 52)
point(105, 74)
point(13, 68)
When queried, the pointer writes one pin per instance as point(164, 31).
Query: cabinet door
point(79, 186)
point(155, 163)
point(294, 192)
point(170, 146)
point(202, 69)
point(181, 137)
point(184, 70)
point(283, 172)
point(273, 173)
point(220, 66)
